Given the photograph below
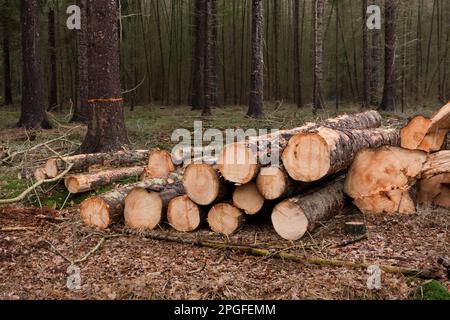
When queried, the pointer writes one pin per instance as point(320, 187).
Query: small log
point(274, 183)
point(160, 165)
point(40, 174)
point(248, 198)
point(106, 209)
point(355, 227)
point(381, 180)
point(312, 156)
point(82, 162)
point(86, 182)
point(240, 162)
point(415, 136)
point(225, 219)
point(293, 217)
point(146, 208)
point(434, 187)
point(183, 214)
point(204, 185)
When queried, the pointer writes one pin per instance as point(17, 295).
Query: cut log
point(381, 180)
point(441, 120)
point(355, 227)
point(40, 174)
point(146, 208)
point(434, 188)
point(106, 209)
point(225, 219)
point(312, 156)
point(248, 198)
point(274, 183)
point(86, 182)
point(293, 217)
point(160, 165)
point(82, 162)
point(204, 185)
point(415, 135)
point(240, 162)
point(183, 214)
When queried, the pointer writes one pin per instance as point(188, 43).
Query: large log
point(82, 162)
point(90, 181)
point(434, 187)
point(382, 180)
point(248, 199)
point(204, 185)
point(240, 162)
point(415, 135)
point(106, 209)
point(146, 208)
point(312, 156)
point(293, 217)
point(225, 218)
point(160, 165)
point(184, 215)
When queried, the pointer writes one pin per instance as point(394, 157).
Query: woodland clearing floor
point(133, 267)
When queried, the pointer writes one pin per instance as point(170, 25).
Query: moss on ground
point(432, 290)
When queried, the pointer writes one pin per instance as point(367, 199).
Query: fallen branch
point(16, 229)
point(34, 186)
point(419, 273)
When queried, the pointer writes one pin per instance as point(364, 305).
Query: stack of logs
point(384, 170)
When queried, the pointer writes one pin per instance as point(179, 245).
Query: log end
point(94, 212)
point(289, 221)
point(143, 209)
point(272, 183)
point(248, 198)
point(40, 174)
point(416, 135)
point(160, 165)
point(225, 219)
point(435, 191)
point(237, 163)
point(51, 168)
point(201, 183)
point(183, 214)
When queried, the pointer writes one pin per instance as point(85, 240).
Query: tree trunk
point(248, 199)
point(33, 114)
point(146, 207)
point(82, 108)
point(53, 94)
point(225, 219)
point(318, 13)
point(381, 180)
point(7, 98)
point(375, 68)
point(366, 61)
point(298, 44)
point(255, 109)
point(312, 156)
point(294, 217)
point(86, 182)
point(107, 131)
point(389, 92)
point(239, 162)
point(184, 215)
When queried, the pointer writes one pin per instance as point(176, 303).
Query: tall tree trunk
point(107, 118)
point(318, 13)
point(366, 61)
point(53, 90)
point(6, 55)
point(197, 100)
point(419, 54)
point(276, 47)
point(375, 68)
point(33, 114)
point(297, 55)
point(208, 58)
point(389, 92)
point(255, 109)
point(82, 107)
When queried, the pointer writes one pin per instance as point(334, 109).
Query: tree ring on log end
point(143, 209)
point(272, 183)
point(183, 214)
point(201, 183)
point(237, 163)
point(289, 222)
point(95, 212)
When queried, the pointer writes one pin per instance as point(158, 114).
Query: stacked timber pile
point(384, 170)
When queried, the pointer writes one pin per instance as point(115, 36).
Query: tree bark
point(366, 61)
point(33, 114)
point(298, 45)
point(389, 93)
point(107, 131)
point(318, 13)
point(53, 94)
point(255, 109)
point(7, 93)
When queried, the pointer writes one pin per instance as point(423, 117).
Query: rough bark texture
point(82, 162)
point(107, 130)
point(7, 93)
point(389, 92)
point(239, 162)
point(33, 114)
point(82, 107)
point(53, 90)
point(434, 187)
point(225, 219)
point(91, 181)
point(248, 198)
point(294, 217)
point(184, 215)
point(313, 155)
point(318, 13)
point(381, 180)
point(106, 209)
point(255, 109)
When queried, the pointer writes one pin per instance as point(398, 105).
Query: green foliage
point(432, 290)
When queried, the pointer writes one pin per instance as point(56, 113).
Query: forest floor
point(36, 245)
